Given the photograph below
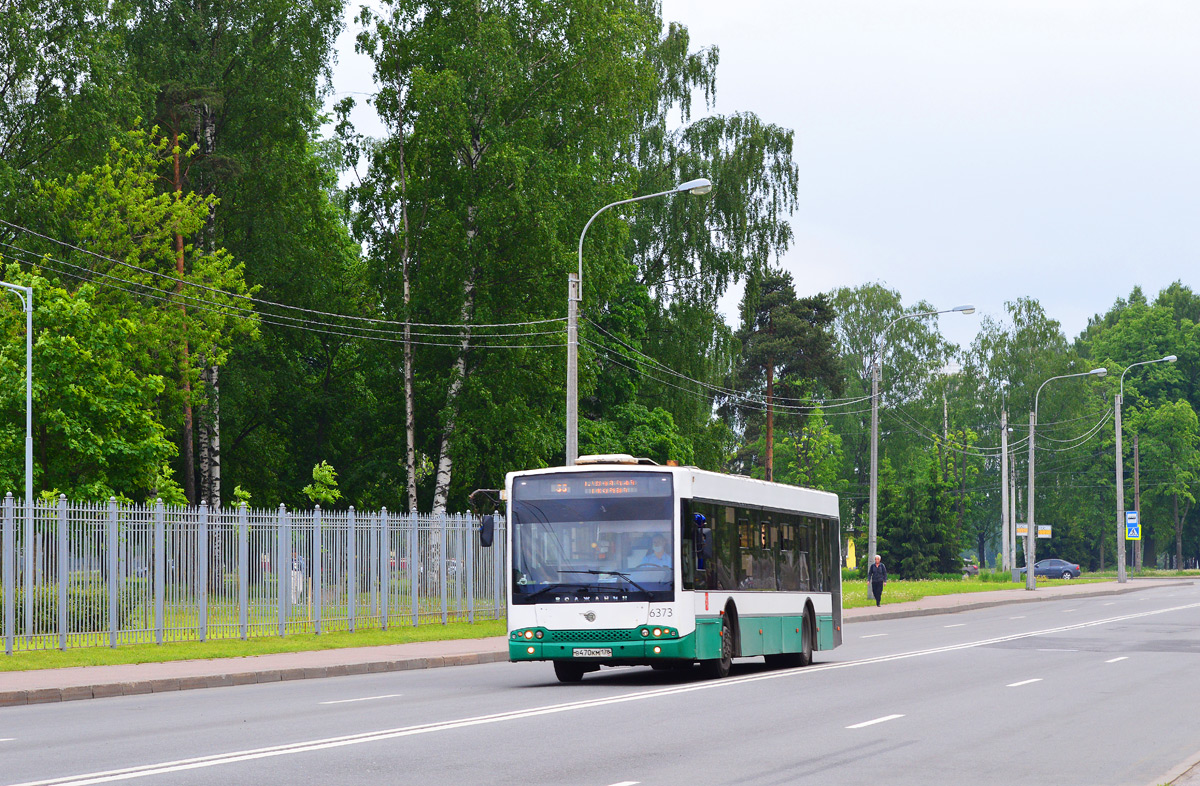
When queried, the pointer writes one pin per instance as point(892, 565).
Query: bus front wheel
point(566, 671)
point(718, 668)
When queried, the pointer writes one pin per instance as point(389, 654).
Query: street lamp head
point(1100, 372)
point(1170, 358)
point(701, 185)
point(967, 309)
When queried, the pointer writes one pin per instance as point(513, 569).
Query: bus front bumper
point(622, 651)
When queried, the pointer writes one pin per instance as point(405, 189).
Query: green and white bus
point(618, 561)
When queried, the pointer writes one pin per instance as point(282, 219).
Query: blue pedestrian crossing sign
point(1133, 528)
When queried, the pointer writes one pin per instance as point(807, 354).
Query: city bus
point(618, 561)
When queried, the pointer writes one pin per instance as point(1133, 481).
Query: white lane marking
point(162, 768)
point(1114, 660)
point(872, 635)
point(955, 625)
point(1067, 611)
point(1025, 682)
point(1110, 603)
point(8, 739)
point(364, 698)
point(627, 783)
point(1020, 617)
point(873, 722)
point(1055, 649)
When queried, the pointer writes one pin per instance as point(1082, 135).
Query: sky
point(965, 152)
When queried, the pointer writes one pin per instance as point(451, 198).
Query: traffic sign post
point(1133, 527)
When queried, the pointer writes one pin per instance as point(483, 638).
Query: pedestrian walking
point(298, 571)
point(877, 577)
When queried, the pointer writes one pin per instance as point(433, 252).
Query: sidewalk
point(94, 682)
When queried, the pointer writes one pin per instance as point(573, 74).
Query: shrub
point(87, 609)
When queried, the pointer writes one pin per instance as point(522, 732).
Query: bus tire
point(718, 668)
point(566, 671)
point(806, 648)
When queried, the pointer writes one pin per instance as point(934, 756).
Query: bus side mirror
point(487, 530)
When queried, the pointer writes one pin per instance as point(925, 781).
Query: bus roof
point(693, 482)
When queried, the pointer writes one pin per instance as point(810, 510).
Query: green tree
point(323, 490)
point(1172, 445)
point(785, 340)
point(95, 430)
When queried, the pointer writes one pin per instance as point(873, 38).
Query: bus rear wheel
point(806, 648)
point(718, 668)
point(566, 671)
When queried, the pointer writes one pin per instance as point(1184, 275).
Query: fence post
point(160, 567)
point(64, 566)
point(499, 544)
point(470, 547)
point(385, 570)
point(372, 561)
point(202, 584)
point(316, 569)
point(115, 580)
point(283, 566)
point(351, 572)
point(244, 570)
point(414, 568)
point(9, 549)
point(442, 556)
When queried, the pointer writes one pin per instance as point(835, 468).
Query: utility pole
point(1004, 521)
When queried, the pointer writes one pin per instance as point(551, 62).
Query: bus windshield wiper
point(616, 573)
point(543, 591)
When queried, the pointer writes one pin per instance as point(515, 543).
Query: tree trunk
point(210, 408)
point(770, 419)
point(441, 489)
point(187, 448)
point(1178, 531)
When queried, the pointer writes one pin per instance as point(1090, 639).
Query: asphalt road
point(1087, 691)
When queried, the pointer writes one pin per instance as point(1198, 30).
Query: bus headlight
point(657, 632)
point(538, 634)
point(529, 634)
point(530, 650)
point(645, 632)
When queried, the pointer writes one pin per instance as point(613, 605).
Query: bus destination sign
point(595, 484)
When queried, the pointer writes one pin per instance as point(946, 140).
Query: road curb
point(988, 604)
point(17, 698)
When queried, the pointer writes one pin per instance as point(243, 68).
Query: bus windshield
point(595, 536)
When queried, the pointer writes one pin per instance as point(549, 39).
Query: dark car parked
point(1055, 569)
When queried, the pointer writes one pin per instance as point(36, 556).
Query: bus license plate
point(593, 652)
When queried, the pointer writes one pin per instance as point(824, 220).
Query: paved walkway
point(89, 682)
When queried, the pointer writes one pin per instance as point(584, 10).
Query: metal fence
point(93, 574)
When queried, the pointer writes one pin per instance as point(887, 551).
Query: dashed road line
point(1023, 682)
point(1114, 660)
point(884, 719)
point(364, 698)
point(872, 635)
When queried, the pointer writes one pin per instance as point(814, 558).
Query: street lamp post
point(1121, 577)
point(1030, 527)
point(575, 297)
point(26, 295)
point(876, 363)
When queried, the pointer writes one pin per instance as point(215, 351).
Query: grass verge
point(854, 593)
point(236, 648)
